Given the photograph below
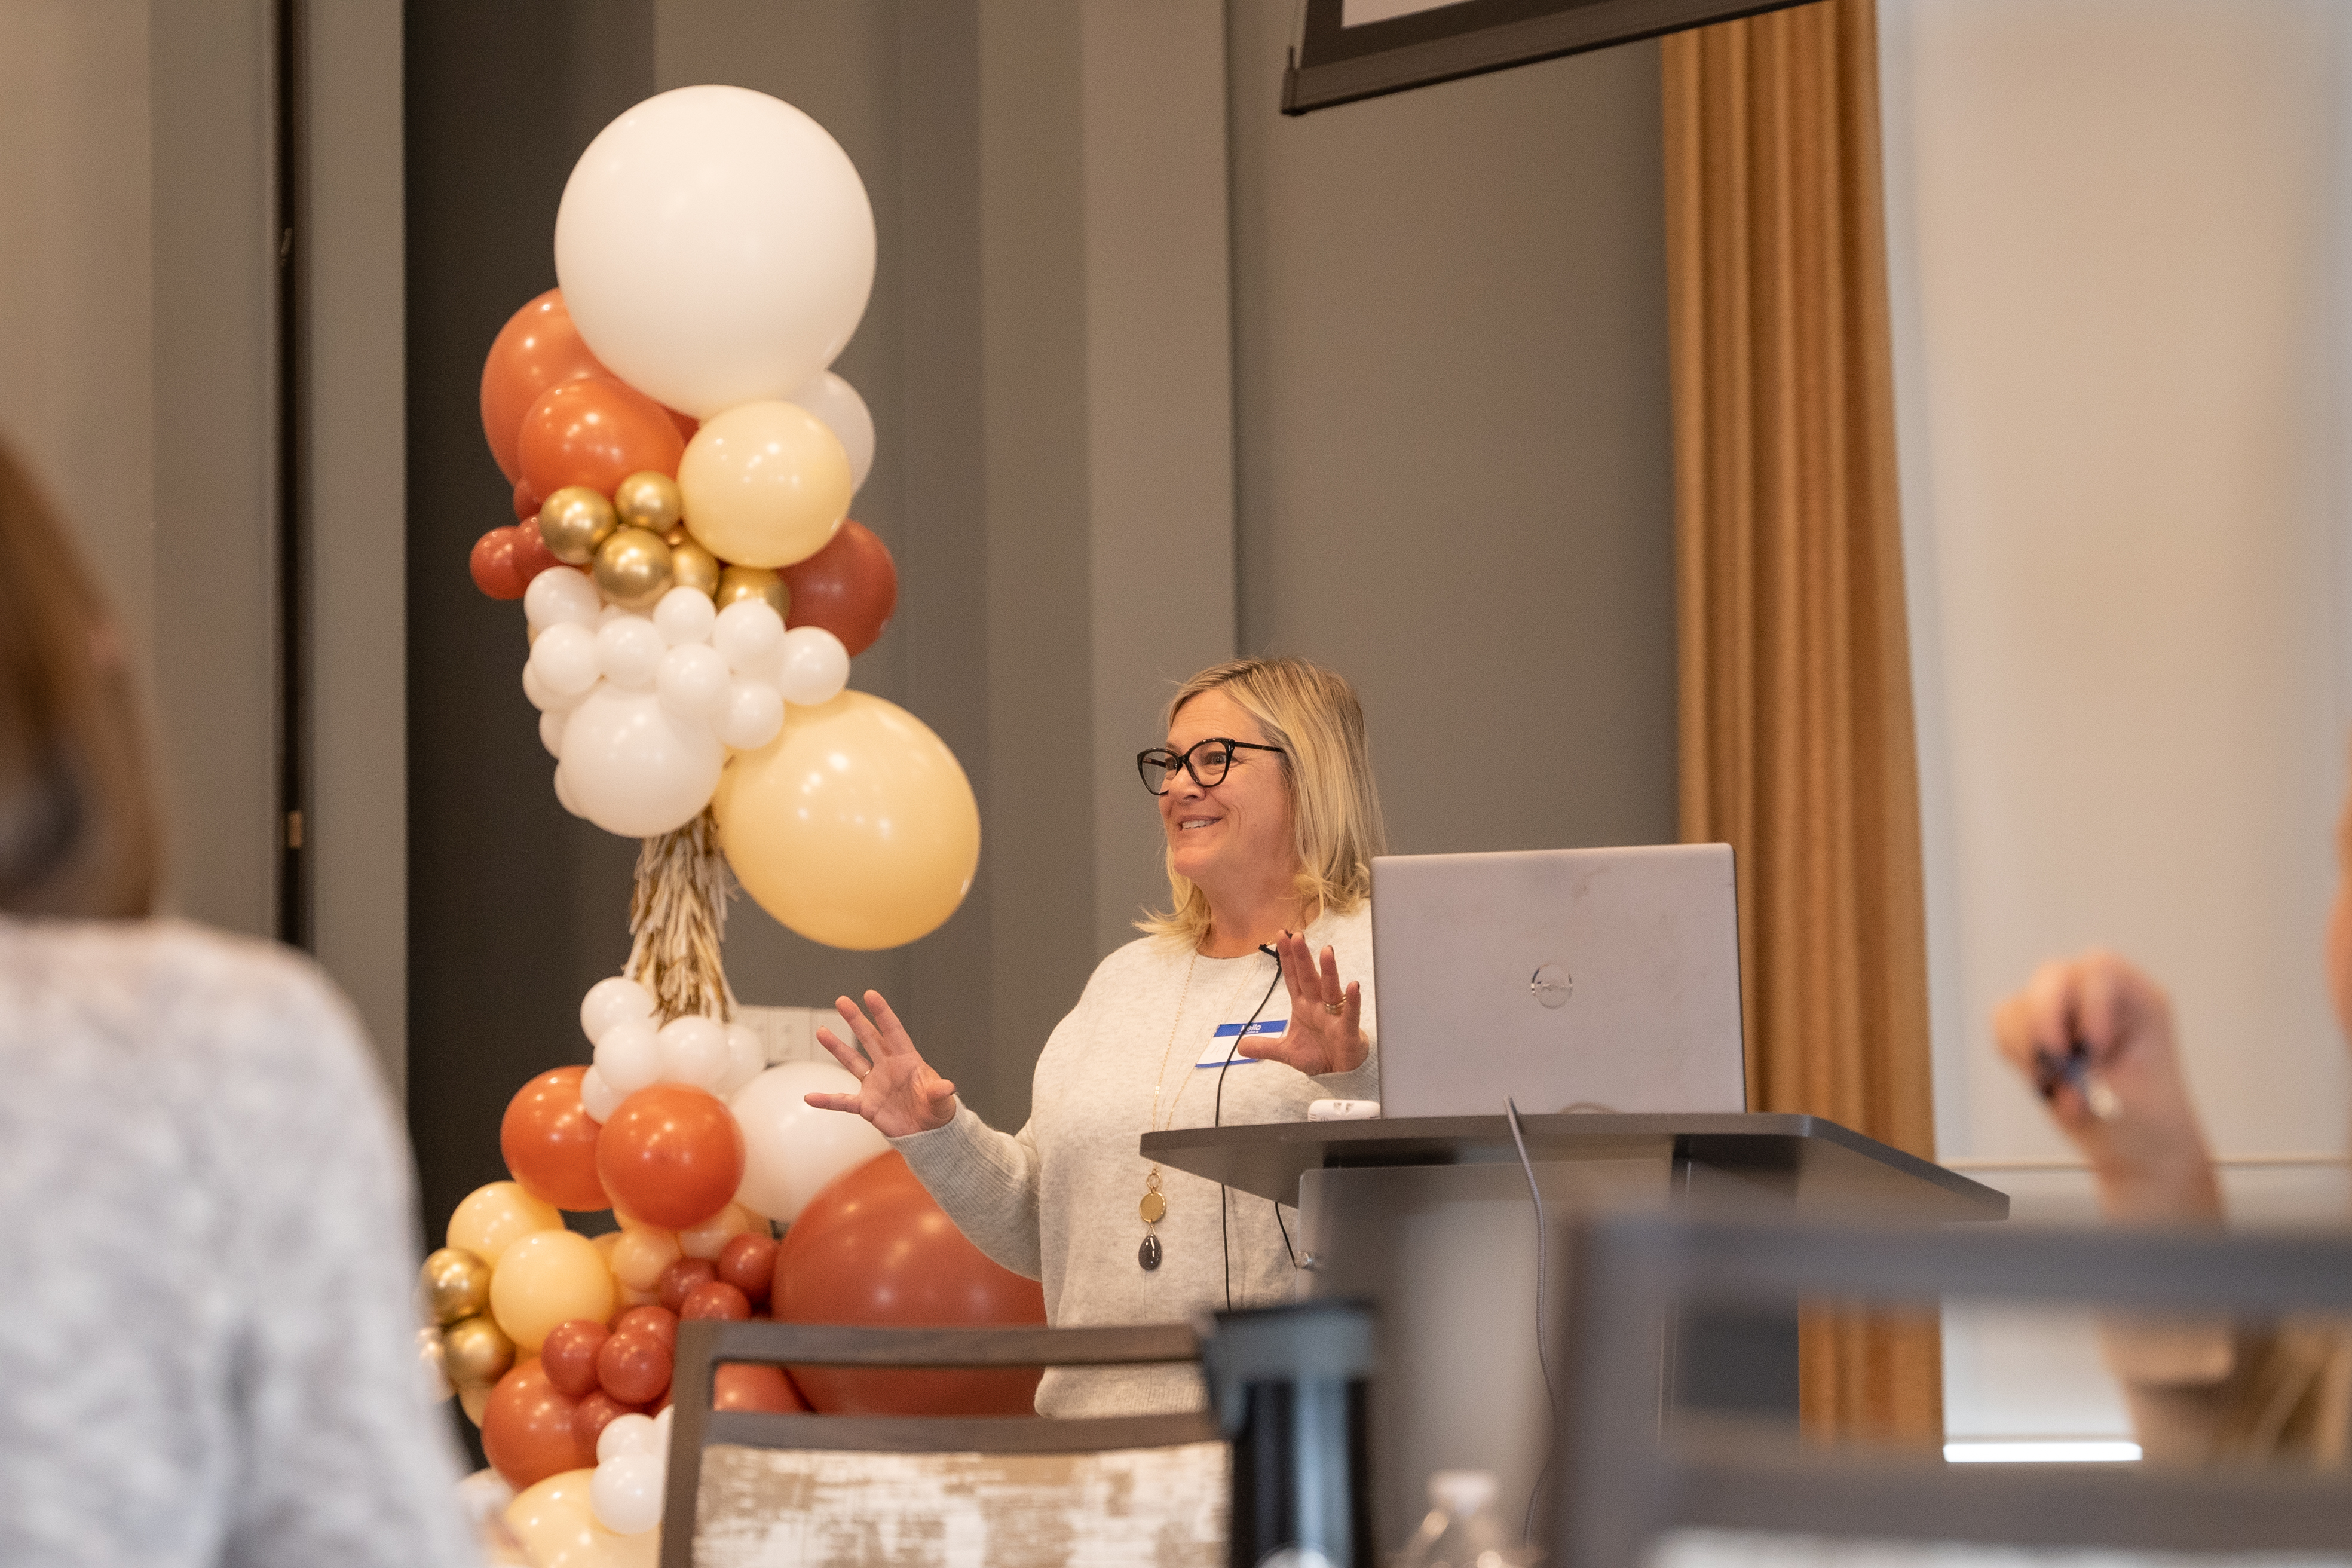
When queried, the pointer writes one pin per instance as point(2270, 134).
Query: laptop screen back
point(1568, 979)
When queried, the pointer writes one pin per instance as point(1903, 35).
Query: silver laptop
point(1566, 979)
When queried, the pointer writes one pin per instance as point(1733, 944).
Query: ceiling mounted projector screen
point(1360, 48)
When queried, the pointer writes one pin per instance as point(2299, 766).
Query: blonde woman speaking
point(1251, 997)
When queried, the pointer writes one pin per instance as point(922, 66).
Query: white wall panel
point(2115, 232)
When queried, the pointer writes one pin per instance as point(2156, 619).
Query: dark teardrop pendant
point(1149, 1253)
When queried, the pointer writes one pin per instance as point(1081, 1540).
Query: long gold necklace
point(1154, 1207)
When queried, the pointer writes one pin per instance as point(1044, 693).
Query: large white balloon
point(634, 768)
point(715, 247)
point(626, 1493)
point(790, 1147)
point(836, 403)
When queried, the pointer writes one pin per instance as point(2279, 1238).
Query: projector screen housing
point(1361, 48)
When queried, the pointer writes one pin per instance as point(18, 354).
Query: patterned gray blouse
point(207, 1249)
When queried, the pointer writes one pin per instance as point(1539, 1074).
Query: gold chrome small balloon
point(692, 566)
point(633, 568)
point(436, 1371)
point(453, 1284)
point(476, 1352)
point(753, 583)
point(649, 500)
point(574, 521)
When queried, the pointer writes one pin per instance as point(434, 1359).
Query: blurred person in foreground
point(2198, 1393)
point(208, 1355)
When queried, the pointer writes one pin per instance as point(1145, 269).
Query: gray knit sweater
point(207, 1355)
point(1058, 1200)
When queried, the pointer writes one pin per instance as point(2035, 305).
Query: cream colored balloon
point(473, 1401)
point(854, 826)
point(641, 1255)
point(495, 1218)
point(766, 484)
point(548, 1277)
point(556, 1528)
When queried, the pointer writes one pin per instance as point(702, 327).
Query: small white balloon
point(563, 795)
point(598, 1098)
point(561, 595)
point(694, 1051)
point(694, 681)
point(750, 635)
point(629, 1432)
point(616, 999)
point(629, 650)
point(755, 712)
point(817, 666)
point(661, 1430)
point(564, 658)
point(747, 1058)
point(626, 1493)
point(836, 403)
point(534, 690)
point(608, 616)
point(629, 1055)
point(550, 734)
point(685, 615)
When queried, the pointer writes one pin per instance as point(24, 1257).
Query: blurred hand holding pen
point(2052, 1071)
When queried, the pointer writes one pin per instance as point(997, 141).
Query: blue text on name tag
point(1225, 1036)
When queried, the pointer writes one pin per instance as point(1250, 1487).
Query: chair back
point(754, 1489)
point(1635, 1476)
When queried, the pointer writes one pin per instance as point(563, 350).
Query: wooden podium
point(1429, 1217)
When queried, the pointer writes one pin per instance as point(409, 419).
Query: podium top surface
point(1807, 1159)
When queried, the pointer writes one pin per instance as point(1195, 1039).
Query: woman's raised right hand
point(896, 1089)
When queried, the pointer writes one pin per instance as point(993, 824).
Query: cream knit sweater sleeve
point(987, 1181)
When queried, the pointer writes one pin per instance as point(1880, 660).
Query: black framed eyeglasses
point(1208, 762)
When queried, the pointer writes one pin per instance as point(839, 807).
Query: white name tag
point(1222, 1043)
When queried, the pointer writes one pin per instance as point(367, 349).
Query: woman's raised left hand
point(1327, 1032)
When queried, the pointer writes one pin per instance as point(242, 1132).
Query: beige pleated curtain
point(1796, 730)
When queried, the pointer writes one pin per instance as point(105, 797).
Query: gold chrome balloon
point(692, 566)
point(574, 521)
point(476, 1352)
point(633, 568)
point(649, 500)
point(453, 1284)
point(437, 1372)
point(753, 583)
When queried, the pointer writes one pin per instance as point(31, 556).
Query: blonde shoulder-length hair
point(1313, 715)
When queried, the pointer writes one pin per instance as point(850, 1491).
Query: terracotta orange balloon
point(538, 347)
point(527, 1428)
point(849, 587)
point(873, 1247)
point(595, 433)
point(739, 1387)
point(671, 1155)
point(550, 1144)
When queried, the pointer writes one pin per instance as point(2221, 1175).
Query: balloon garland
point(683, 463)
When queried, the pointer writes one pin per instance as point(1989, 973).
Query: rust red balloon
point(741, 1387)
point(596, 1413)
point(658, 1321)
point(550, 1144)
point(493, 564)
point(527, 1428)
point(569, 1354)
point(849, 587)
point(672, 1155)
point(595, 433)
point(748, 1262)
point(873, 1247)
point(715, 1298)
point(679, 1279)
point(633, 1368)
point(538, 347)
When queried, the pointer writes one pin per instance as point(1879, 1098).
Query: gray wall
point(1453, 435)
